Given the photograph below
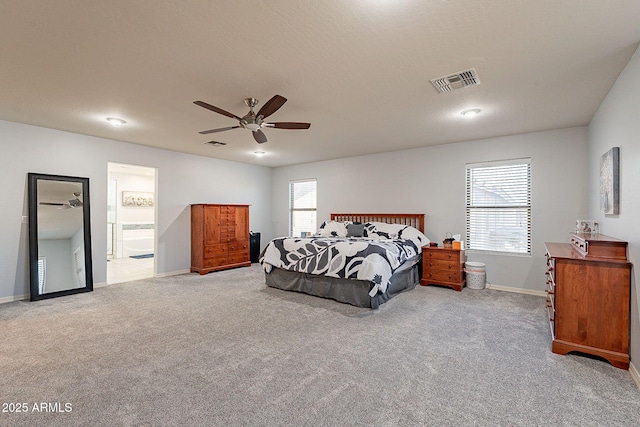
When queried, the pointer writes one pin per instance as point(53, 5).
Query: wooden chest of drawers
point(443, 266)
point(588, 298)
point(219, 237)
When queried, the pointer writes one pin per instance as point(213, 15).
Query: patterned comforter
point(361, 258)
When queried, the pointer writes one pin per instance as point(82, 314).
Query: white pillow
point(411, 233)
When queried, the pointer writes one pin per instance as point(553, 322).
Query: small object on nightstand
point(448, 241)
point(433, 244)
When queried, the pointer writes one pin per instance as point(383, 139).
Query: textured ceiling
point(358, 70)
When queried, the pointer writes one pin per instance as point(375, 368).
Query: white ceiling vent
point(456, 81)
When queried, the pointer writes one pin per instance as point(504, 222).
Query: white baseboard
point(635, 375)
point(516, 290)
point(172, 273)
point(4, 300)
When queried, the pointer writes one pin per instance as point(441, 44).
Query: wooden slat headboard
point(414, 220)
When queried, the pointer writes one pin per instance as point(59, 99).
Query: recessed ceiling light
point(471, 113)
point(259, 153)
point(116, 121)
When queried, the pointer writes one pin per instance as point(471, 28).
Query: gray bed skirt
point(354, 292)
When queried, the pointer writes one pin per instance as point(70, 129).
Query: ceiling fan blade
point(204, 132)
point(271, 106)
point(216, 109)
point(259, 136)
point(288, 125)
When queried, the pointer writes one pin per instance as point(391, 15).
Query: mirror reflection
point(59, 236)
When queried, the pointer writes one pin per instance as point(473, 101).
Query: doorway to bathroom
point(131, 222)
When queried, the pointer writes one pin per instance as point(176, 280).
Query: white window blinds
point(302, 207)
point(498, 206)
point(42, 274)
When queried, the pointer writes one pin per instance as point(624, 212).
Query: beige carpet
point(223, 349)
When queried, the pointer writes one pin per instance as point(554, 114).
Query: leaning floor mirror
point(59, 236)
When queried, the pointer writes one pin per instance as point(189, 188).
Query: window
point(42, 273)
point(498, 203)
point(78, 258)
point(302, 207)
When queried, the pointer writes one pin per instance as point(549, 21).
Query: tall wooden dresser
point(219, 237)
point(588, 297)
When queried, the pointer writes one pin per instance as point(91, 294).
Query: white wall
point(182, 179)
point(431, 180)
point(133, 242)
point(139, 183)
point(59, 264)
point(617, 124)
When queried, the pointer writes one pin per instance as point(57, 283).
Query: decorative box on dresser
point(219, 237)
point(443, 266)
point(588, 297)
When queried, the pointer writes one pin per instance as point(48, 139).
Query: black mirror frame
point(33, 179)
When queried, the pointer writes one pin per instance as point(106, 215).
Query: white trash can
point(476, 275)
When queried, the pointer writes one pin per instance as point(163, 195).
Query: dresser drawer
point(551, 284)
point(441, 276)
point(581, 245)
point(211, 251)
point(238, 246)
point(216, 261)
point(238, 257)
point(551, 312)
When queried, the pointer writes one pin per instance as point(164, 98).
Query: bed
point(359, 259)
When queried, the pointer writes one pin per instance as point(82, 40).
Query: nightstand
point(443, 266)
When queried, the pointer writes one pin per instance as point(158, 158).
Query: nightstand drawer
point(438, 276)
point(441, 255)
point(436, 264)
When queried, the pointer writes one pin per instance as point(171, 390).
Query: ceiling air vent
point(456, 81)
point(214, 143)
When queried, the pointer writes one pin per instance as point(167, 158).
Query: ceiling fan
point(73, 203)
point(255, 121)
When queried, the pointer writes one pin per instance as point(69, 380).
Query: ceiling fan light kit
point(254, 121)
point(215, 143)
point(73, 203)
point(116, 122)
point(471, 112)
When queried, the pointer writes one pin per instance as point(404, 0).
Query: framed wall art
point(610, 182)
point(137, 199)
